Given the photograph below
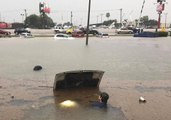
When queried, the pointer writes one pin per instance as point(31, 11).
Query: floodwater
point(29, 94)
point(124, 58)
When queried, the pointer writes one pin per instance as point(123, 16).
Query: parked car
point(4, 33)
point(124, 31)
point(78, 33)
point(59, 29)
point(18, 31)
point(62, 36)
point(91, 31)
point(69, 31)
point(102, 35)
point(169, 29)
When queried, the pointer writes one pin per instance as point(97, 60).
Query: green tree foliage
point(148, 22)
point(144, 19)
point(151, 23)
point(35, 21)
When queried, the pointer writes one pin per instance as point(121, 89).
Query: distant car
point(124, 31)
point(59, 29)
point(4, 33)
point(26, 35)
point(91, 31)
point(69, 31)
point(62, 36)
point(102, 35)
point(169, 29)
point(18, 31)
point(78, 34)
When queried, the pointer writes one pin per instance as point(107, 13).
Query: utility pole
point(97, 19)
point(101, 17)
point(25, 13)
point(88, 21)
point(120, 17)
point(71, 18)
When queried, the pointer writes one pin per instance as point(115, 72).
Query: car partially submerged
point(78, 33)
point(62, 36)
point(102, 35)
point(4, 33)
point(78, 79)
point(26, 35)
point(124, 31)
point(18, 31)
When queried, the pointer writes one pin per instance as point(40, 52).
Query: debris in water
point(12, 97)
point(33, 106)
point(37, 68)
point(141, 99)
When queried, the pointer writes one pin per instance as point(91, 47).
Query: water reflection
point(80, 96)
point(82, 109)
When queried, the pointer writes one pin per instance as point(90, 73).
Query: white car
point(26, 35)
point(169, 29)
point(62, 36)
point(124, 31)
point(59, 29)
point(102, 35)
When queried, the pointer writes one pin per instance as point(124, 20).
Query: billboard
point(160, 8)
point(43, 8)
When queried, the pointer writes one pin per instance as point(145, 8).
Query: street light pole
point(121, 17)
point(101, 17)
point(97, 19)
point(88, 21)
point(71, 18)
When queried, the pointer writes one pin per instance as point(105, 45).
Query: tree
point(108, 15)
point(33, 21)
point(144, 20)
point(42, 21)
point(152, 23)
point(46, 22)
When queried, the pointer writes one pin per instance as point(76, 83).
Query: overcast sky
point(11, 10)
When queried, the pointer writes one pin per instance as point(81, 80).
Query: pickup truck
point(59, 29)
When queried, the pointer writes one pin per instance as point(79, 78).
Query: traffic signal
point(41, 7)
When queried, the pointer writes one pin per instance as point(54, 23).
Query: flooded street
point(122, 58)
point(133, 67)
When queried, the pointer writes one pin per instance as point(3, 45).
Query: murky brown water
point(122, 58)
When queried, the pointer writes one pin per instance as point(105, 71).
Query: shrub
point(162, 34)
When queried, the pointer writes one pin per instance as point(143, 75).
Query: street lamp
point(88, 21)
point(120, 17)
